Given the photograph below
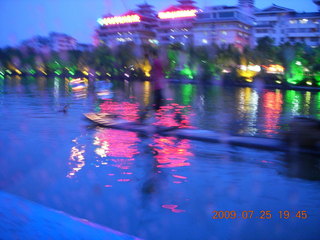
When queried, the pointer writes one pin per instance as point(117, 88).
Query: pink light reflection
point(172, 152)
point(168, 116)
point(272, 106)
point(124, 110)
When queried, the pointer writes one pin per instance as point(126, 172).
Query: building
point(62, 42)
point(176, 23)
point(133, 26)
point(38, 43)
point(181, 23)
point(82, 47)
point(223, 25)
point(286, 25)
point(55, 42)
point(185, 23)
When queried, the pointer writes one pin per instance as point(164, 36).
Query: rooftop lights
point(119, 20)
point(177, 14)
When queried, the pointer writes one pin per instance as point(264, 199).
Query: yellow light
point(309, 83)
point(119, 20)
point(177, 14)
point(146, 93)
point(146, 67)
point(248, 71)
point(85, 73)
point(275, 69)
point(17, 71)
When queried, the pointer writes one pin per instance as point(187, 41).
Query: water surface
point(158, 187)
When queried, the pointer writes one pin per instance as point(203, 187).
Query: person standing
point(158, 80)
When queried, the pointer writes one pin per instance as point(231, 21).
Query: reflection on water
point(272, 105)
point(317, 105)
point(125, 110)
point(187, 91)
point(123, 146)
point(159, 187)
point(307, 100)
point(77, 160)
point(248, 100)
point(118, 152)
point(171, 152)
point(146, 93)
point(174, 115)
point(293, 101)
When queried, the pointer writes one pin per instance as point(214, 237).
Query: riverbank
point(22, 219)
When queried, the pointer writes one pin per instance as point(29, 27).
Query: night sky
point(22, 19)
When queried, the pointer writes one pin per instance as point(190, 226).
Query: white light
point(205, 41)
point(255, 68)
point(303, 21)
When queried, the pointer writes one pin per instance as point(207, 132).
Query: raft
point(271, 144)
point(107, 120)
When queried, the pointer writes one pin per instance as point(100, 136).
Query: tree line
point(301, 63)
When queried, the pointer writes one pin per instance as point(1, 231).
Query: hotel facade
point(185, 23)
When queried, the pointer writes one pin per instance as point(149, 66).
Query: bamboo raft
point(270, 144)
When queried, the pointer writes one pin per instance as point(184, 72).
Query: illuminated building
point(223, 25)
point(286, 25)
point(176, 23)
point(185, 23)
point(133, 26)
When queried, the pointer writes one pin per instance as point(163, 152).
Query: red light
point(177, 14)
point(119, 20)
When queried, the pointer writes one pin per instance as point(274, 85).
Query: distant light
point(309, 83)
point(298, 63)
point(153, 41)
point(172, 37)
point(304, 21)
point(124, 39)
point(253, 68)
point(119, 20)
point(274, 69)
point(205, 41)
point(177, 14)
